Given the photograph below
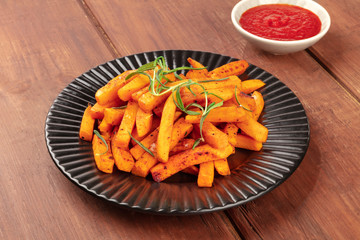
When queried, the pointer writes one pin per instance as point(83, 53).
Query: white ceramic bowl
point(275, 46)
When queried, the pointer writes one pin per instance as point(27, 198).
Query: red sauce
point(281, 22)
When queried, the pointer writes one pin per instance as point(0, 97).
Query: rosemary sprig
point(103, 140)
point(141, 145)
point(238, 102)
point(121, 107)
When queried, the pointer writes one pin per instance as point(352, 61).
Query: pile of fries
point(155, 121)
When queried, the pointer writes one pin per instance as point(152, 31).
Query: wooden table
point(46, 44)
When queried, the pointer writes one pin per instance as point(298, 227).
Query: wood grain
point(320, 201)
point(44, 45)
point(339, 49)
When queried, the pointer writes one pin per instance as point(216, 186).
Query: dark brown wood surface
point(46, 44)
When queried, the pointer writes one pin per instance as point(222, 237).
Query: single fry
point(206, 174)
point(233, 68)
point(183, 145)
point(253, 129)
point(259, 104)
point(87, 125)
point(122, 137)
point(220, 114)
point(136, 95)
point(179, 131)
point(139, 82)
point(104, 126)
point(97, 111)
point(165, 130)
point(159, 109)
point(214, 137)
point(193, 170)
point(155, 124)
point(222, 166)
point(224, 94)
point(108, 93)
point(178, 162)
point(251, 85)
point(211, 85)
point(103, 158)
point(196, 73)
point(231, 131)
point(113, 116)
point(143, 122)
point(246, 101)
point(123, 159)
point(137, 150)
point(143, 165)
point(148, 102)
point(246, 142)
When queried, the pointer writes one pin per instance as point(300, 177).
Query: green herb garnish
point(121, 107)
point(103, 140)
point(141, 145)
point(238, 102)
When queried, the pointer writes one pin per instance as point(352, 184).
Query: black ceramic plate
point(253, 173)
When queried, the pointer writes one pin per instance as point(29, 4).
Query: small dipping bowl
point(277, 46)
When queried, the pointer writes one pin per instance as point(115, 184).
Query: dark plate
point(253, 173)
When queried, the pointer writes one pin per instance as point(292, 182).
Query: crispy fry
point(214, 137)
point(191, 157)
point(143, 165)
point(97, 111)
point(259, 104)
point(222, 166)
point(148, 102)
point(231, 82)
point(179, 131)
point(139, 82)
point(159, 109)
point(122, 137)
point(136, 95)
point(253, 129)
point(246, 101)
point(104, 126)
point(224, 94)
point(143, 122)
point(231, 131)
point(87, 125)
point(103, 157)
point(206, 174)
point(113, 116)
point(233, 68)
point(196, 73)
point(183, 145)
point(137, 150)
point(155, 124)
point(246, 142)
point(193, 170)
point(165, 130)
point(220, 114)
point(123, 159)
point(251, 85)
point(108, 93)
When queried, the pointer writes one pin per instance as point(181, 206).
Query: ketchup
point(280, 22)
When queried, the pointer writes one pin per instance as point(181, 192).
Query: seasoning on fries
point(155, 121)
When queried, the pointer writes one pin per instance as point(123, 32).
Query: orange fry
point(251, 85)
point(233, 68)
point(87, 125)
